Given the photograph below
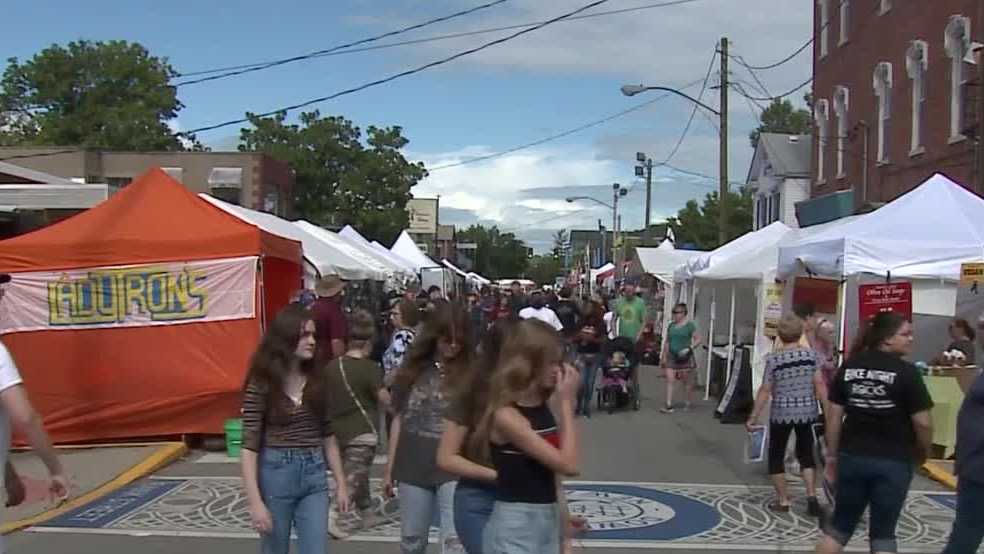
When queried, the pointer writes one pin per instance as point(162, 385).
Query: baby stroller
point(619, 383)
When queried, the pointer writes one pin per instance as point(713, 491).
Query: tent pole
point(731, 343)
point(843, 321)
point(710, 343)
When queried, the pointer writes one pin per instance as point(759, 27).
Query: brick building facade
point(894, 100)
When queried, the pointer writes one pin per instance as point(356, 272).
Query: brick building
point(895, 100)
point(248, 179)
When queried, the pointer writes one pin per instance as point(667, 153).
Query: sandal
point(775, 506)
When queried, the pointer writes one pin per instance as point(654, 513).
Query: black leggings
point(779, 438)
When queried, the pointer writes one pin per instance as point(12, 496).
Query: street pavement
point(673, 483)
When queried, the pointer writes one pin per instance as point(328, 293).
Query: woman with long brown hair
point(528, 448)
point(421, 394)
point(461, 453)
point(287, 437)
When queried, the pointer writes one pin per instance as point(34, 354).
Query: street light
point(617, 192)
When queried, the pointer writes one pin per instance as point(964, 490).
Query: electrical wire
point(560, 135)
point(345, 49)
point(402, 74)
point(777, 97)
point(41, 155)
point(267, 65)
point(693, 112)
point(783, 61)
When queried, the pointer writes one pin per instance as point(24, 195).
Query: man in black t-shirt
point(568, 313)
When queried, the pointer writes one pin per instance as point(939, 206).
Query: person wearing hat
point(16, 409)
point(329, 318)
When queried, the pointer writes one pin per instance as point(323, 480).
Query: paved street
point(675, 483)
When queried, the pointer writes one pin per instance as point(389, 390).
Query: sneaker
point(667, 410)
point(335, 530)
point(813, 507)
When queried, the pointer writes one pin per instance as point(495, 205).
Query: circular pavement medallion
point(620, 512)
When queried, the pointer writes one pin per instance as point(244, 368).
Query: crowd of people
point(867, 424)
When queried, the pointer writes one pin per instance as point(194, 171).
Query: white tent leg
point(731, 344)
point(843, 322)
point(710, 343)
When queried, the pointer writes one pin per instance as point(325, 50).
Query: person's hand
point(260, 518)
point(751, 424)
point(830, 470)
point(569, 383)
point(60, 487)
point(15, 490)
point(343, 499)
point(389, 489)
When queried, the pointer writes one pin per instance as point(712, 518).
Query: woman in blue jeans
point(461, 454)
point(589, 340)
point(529, 448)
point(421, 392)
point(287, 438)
point(878, 430)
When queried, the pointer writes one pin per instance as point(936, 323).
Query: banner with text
point(888, 297)
point(130, 296)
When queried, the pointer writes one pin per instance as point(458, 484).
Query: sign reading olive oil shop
point(131, 296)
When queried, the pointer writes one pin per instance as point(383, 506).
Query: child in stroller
point(619, 385)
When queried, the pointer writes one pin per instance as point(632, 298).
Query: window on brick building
point(841, 105)
point(957, 43)
point(824, 7)
point(822, 115)
point(845, 21)
point(916, 64)
point(882, 81)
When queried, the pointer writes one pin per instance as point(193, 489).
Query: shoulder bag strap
point(341, 369)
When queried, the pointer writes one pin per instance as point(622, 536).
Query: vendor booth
point(137, 318)
point(906, 256)
point(432, 274)
point(400, 273)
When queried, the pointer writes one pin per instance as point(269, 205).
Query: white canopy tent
point(392, 256)
point(406, 248)
point(921, 237)
point(663, 261)
point(321, 257)
point(353, 237)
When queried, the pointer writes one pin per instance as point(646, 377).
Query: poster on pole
point(887, 297)
point(773, 309)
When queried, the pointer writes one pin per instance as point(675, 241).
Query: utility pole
point(723, 192)
point(980, 108)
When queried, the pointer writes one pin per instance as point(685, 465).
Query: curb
point(166, 454)
point(940, 475)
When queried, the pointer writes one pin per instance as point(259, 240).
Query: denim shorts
point(518, 528)
point(880, 484)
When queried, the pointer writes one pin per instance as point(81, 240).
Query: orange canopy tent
point(145, 381)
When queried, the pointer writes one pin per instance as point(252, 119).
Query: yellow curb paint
point(166, 454)
point(940, 474)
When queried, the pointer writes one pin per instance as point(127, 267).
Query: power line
point(40, 155)
point(785, 60)
point(342, 50)
point(560, 135)
point(267, 65)
point(742, 91)
point(693, 112)
point(402, 74)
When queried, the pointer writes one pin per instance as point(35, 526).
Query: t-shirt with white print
point(9, 377)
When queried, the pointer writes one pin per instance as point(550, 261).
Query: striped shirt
point(293, 426)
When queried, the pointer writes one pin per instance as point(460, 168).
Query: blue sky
point(541, 84)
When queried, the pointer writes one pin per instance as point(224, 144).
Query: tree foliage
point(544, 269)
point(560, 245)
point(498, 255)
point(781, 117)
point(341, 180)
point(112, 95)
point(697, 224)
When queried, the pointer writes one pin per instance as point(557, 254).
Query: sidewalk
point(94, 472)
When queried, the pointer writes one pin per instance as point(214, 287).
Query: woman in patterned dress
point(793, 382)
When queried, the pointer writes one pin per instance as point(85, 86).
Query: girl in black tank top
point(529, 448)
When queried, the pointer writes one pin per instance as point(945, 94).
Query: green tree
point(560, 245)
point(781, 117)
point(498, 255)
point(111, 95)
point(339, 180)
point(544, 269)
point(697, 224)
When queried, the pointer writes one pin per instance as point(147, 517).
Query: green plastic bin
point(234, 437)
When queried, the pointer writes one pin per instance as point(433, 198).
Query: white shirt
point(544, 314)
point(9, 377)
point(612, 324)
